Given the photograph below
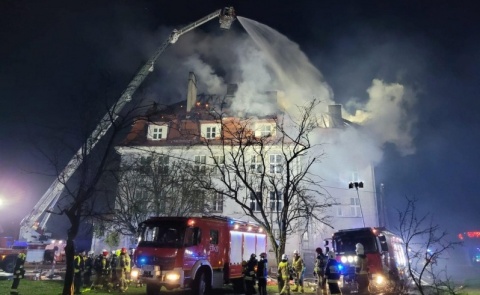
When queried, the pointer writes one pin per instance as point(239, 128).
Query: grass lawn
point(471, 287)
point(56, 287)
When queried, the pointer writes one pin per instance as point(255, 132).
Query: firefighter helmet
point(253, 256)
point(105, 252)
point(263, 255)
point(319, 250)
point(124, 251)
point(284, 257)
point(295, 252)
point(359, 249)
point(90, 253)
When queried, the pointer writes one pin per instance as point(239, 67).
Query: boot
point(301, 289)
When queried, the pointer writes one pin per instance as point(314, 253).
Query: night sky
point(57, 56)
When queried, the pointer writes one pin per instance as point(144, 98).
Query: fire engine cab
point(198, 253)
point(385, 255)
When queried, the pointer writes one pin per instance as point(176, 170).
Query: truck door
point(216, 247)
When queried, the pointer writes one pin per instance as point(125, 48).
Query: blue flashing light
point(231, 222)
point(142, 260)
point(340, 267)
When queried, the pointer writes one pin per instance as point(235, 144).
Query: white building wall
point(336, 182)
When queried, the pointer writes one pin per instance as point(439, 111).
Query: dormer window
point(211, 131)
point(265, 130)
point(157, 132)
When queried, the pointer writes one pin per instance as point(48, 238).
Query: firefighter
point(284, 276)
point(87, 275)
point(18, 272)
point(332, 274)
point(113, 269)
point(102, 268)
point(262, 272)
point(250, 275)
point(299, 270)
point(319, 272)
point(78, 268)
point(361, 270)
point(122, 268)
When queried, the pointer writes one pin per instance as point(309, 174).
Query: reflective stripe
point(332, 281)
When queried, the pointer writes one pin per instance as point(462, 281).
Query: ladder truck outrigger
point(31, 229)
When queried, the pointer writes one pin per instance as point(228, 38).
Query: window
point(305, 236)
point(339, 211)
point(256, 165)
point(162, 164)
point(218, 162)
point(217, 203)
point(199, 165)
point(265, 130)
point(254, 204)
point(214, 237)
point(276, 164)
point(355, 207)
point(197, 201)
point(157, 132)
point(210, 131)
point(275, 202)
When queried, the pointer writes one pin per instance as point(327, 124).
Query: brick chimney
point(335, 112)
point(191, 91)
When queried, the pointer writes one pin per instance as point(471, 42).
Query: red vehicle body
point(198, 253)
point(385, 255)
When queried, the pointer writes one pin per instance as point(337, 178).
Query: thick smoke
point(265, 60)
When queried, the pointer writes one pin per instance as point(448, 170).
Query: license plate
point(147, 267)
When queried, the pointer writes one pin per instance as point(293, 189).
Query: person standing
point(123, 265)
point(78, 267)
point(18, 272)
point(284, 276)
point(299, 269)
point(250, 275)
point(262, 272)
point(319, 272)
point(361, 270)
point(113, 269)
point(332, 274)
point(87, 275)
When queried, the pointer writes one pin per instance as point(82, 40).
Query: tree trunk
point(68, 288)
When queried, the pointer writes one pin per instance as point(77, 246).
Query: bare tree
point(84, 196)
point(269, 172)
point(425, 245)
point(153, 184)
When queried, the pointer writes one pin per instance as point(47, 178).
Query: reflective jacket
point(19, 270)
point(284, 270)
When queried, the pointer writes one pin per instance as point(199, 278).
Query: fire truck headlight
point(350, 259)
point(379, 280)
point(173, 276)
point(134, 274)
point(343, 259)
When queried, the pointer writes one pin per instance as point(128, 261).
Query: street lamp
point(357, 185)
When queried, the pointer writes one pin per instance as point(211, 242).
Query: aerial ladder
point(31, 229)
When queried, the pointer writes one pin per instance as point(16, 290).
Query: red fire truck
point(385, 253)
point(197, 253)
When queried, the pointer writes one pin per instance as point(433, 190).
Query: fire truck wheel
point(199, 285)
point(153, 289)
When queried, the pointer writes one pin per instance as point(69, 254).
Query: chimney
point(191, 91)
point(335, 118)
